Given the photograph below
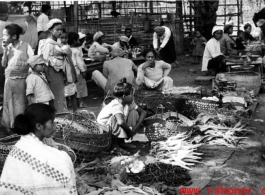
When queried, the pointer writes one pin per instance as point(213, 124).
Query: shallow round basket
point(81, 134)
point(248, 79)
point(6, 144)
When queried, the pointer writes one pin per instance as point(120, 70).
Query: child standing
point(122, 115)
point(73, 41)
point(15, 56)
point(240, 40)
point(199, 42)
point(38, 90)
point(70, 89)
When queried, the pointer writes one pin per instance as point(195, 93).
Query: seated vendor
point(153, 74)
point(247, 36)
point(114, 70)
point(213, 59)
point(122, 43)
point(98, 50)
point(226, 42)
point(122, 115)
point(132, 41)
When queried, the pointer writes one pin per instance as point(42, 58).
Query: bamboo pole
point(238, 17)
point(225, 12)
point(76, 16)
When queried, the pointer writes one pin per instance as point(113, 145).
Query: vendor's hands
point(63, 148)
point(146, 65)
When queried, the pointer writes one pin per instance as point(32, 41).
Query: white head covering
point(81, 35)
point(53, 21)
point(37, 59)
point(124, 39)
point(97, 35)
point(216, 28)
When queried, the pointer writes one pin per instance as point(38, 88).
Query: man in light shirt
point(43, 19)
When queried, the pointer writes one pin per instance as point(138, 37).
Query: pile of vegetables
point(177, 152)
point(160, 172)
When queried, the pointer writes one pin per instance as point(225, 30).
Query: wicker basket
point(6, 144)
point(249, 80)
point(88, 141)
point(151, 133)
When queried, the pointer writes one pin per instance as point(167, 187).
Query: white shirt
point(42, 22)
point(96, 47)
point(38, 86)
point(163, 39)
point(212, 50)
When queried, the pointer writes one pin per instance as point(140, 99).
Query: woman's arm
point(140, 75)
point(142, 114)
point(4, 58)
point(166, 38)
point(105, 69)
point(122, 123)
point(167, 68)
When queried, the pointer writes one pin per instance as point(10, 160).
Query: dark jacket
point(133, 42)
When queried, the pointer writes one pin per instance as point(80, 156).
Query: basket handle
point(174, 109)
point(162, 108)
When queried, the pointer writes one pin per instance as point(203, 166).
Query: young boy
point(38, 90)
point(73, 41)
point(240, 41)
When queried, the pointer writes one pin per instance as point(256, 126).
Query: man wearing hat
point(163, 43)
point(122, 43)
point(114, 70)
point(226, 42)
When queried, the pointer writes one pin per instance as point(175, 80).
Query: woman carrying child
point(122, 115)
point(15, 56)
point(58, 64)
point(197, 52)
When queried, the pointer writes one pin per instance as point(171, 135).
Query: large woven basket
point(86, 137)
point(6, 144)
point(249, 80)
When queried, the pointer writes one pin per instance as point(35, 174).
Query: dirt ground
point(246, 167)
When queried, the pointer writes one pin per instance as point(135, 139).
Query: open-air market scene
point(132, 97)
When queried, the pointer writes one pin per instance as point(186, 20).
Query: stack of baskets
point(6, 144)
point(86, 137)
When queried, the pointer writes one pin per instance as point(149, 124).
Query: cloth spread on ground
point(35, 168)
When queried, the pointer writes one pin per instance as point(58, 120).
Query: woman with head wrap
point(98, 49)
point(122, 43)
point(60, 67)
point(114, 70)
point(226, 42)
point(213, 58)
point(163, 43)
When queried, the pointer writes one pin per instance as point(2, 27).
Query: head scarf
point(159, 29)
point(37, 59)
point(227, 26)
point(81, 35)
point(53, 21)
point(117, 52)
point(97, 35)
point(124, 39)
point(216, 28)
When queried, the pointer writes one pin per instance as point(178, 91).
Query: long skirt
point(131, 121)
point(217, 64)
point(56, 84)
point(81, 87)
point(168, 53)
point(15, 100)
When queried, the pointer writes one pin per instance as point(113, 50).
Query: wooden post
point(225, 13)
point(99, 10)
point(238, 15)
point(76, 16)
point(151, 7)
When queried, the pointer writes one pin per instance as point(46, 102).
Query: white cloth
point(163, 39)
point(212, 50)
point(38, 86)
point(215, 28)
point(42, 22)
point(95, 49)
point(35, 168)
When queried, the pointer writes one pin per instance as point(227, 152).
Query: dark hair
point(72, 37)
point(239, 31)
point(45, 8)
point(122, 88)
point(14, 29)
point(3, 8)
point(64, 31)
point(247, 25)
point(227, 29)
point(89, 38)
point(35, 113)
point(128, 29)
point(149, 50)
